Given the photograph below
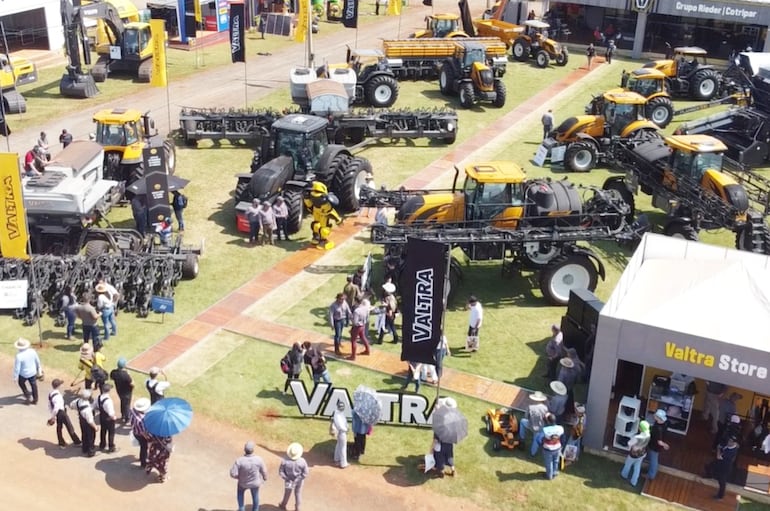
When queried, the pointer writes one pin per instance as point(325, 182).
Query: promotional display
point(237, 32)
point(423, 299)
point(13, 228)
point(303, 21)
point(158, 202)
point(159, 77)
point(350, 13)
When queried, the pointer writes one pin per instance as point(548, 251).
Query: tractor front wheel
point(296, 208)
point(581, 157)
point(347, 184)
point(381, 91)
point(565, 274)
point(542, 59)
point(660, 110)
point(467, 96)
point(562, 58)
point(500, 94)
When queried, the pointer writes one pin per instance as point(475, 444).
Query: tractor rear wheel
point(95, 248)
point(660, 110)
point(704, 85)
point(190, 266)
point(296, 208)
point(562, 58)
point(381, 91)
point(580, 156)
point(347, 184)
point(500, 94)
point(681, 230)
point(445, 79)
point(567, 273)
point(467, 96)
point(169, 149)
point(520, 50)
point(542, 59)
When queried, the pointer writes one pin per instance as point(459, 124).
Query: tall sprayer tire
point(348, 184)
point(660, 110)
point(520, 50)
point(500, 94)
point(169, 150)
point(542, 59)
point(567, 273)
point(381, 91)
point(704, 85)
point(581, 156)
point(296, 210)
point(445, 79)
point(467, 96)
point(681, 230)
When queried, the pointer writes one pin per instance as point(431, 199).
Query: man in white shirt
point(106, 408)
point(59, 415)
point(87, 424)
point(156, 387)
point(339, 429)
point(26, 367)
point(474, 323)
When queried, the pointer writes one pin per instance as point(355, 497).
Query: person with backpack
point(156, 387)
point(106, 408)
point(87, 424)
point(294, 358)
point(91, 363)
point(178, 204)
point(637, 451)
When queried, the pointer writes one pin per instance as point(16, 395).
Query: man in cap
point(252, 215)
point(250, 472)
point(59, 415)
point(533, 420)
point(475, 318)
point(637, 450)
point(155, 386)
point(727, 408)
point(390, 303)
point(26, 367)
point(281, 212)
point(339, 429)
point(293, 471)
point(124, 385)
point(721, 467)
point(106, 305)
point(553, 351)
point(557, 405)
point(106, 409)
point(657, 442)
point(87, 424)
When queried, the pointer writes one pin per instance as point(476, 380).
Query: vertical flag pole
point(168, 100)
point(310, 55)
point(245, 87)
point(443, 315)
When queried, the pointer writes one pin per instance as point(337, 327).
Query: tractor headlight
point(450, 126)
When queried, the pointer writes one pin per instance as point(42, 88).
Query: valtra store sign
point(724, 362)
point(715, 10)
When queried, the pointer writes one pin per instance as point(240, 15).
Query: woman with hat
point(637, 450)
point(293, 471)
point(26, 367)
point(106, 305)
point(534, 420)
point(390, 306)
point(141, 406)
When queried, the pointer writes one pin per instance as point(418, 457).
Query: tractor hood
point(726, 188)
point(590, 124)
point(441, 208)
point(659, 64)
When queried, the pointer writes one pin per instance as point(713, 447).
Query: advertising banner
point(13, 227)
point(158, 201)
point(303, 19)
point(423, 299)
point(237, 32)
point(158, 29)
point(350, 13)
point(13, 294)
point(394, 8)
point(724, 11)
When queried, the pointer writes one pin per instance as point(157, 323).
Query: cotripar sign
point(742, 13)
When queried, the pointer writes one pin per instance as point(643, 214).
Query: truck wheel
point(580, 157)
point(381, 91)
point(565, 274)
point(624, 193)
point(681, 230)
point(466, 95)
point(190, 266)
point(705, 85)
point(95, 248)
point(445, 79)
point(169, 149)
point(500, 94)
point(520, 50)
point(293, 199)
point(562, 58)
point(347, 184)
point(542, 59)
point(660, 110)
point(243, 191)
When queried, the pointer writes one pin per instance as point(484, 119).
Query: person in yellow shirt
point(91, 364)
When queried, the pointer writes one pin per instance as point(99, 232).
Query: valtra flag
point(13, 226)
point(237, 32)
point(302, 21)
point(423, 299)
point(158, 30)
point(350, 13)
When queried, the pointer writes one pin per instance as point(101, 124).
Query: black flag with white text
point(350, 13)
point(237, 32)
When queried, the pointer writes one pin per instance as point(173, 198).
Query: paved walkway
point(231, 312)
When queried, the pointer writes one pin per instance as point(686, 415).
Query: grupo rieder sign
point(722, 11)
point(397, 408)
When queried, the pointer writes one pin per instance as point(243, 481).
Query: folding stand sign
point(162, 305)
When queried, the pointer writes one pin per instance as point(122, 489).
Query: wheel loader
point(468, 75)
point(442, 26)
point(688, 74)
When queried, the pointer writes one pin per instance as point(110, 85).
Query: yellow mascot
point(321, 203)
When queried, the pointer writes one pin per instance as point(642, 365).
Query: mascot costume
point(321, 203)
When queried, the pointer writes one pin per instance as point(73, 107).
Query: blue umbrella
point(168, 417)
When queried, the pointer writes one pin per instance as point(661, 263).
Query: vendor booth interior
point(683, 314)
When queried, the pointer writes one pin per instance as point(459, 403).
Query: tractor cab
point(473, 60)
point(303, 138)
point(136, 41)
point(688, 58)
point(119, 128)
point(441, 25)
point(537, 31)
point(494, 193)
point(620, 110)
point(645, 82)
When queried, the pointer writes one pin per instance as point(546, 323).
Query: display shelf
point(626, 422)
point(678, 407)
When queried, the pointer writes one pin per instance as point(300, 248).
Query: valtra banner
point(350, 13)
point(237, 32)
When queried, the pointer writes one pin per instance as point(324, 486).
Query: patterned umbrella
point(366, 404)
point(449, 425)
point(168, 417)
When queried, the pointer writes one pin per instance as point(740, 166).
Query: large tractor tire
point(562, 58)
point(704, 85)
point(660, 110)
point(445, 79)
point(542, 59)
point(520, 50)
point(681, 230)
point(243, 191)
point(347, 184)
point(565, 274)
point(620, 187)
point(169, 149)
point(467, 95)
point(581, 156)
point(95, 248)
point(293, 199)
point(190, 266)
point(500, 94)
point(381, 91)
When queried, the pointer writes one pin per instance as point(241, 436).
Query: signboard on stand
point(223, 15)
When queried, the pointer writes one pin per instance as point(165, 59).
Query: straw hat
point(101, 287)
point(84, 394)
point(294, 452)
point(21, 344)
point(448, 402)
point(558, 388)
point(567, 362)
point(389, 287)
point(86, 350)
point(142, 404)
point(538, 396)
point(580, 409)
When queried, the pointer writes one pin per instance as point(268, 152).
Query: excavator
point(77, 82)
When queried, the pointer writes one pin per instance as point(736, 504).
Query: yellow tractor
point(13, 73)
point(651, 84)
point(534, 43)
point(441, 25)
point(613, 116)
point(124, 133)
point(469, 74)
point(688, 74)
